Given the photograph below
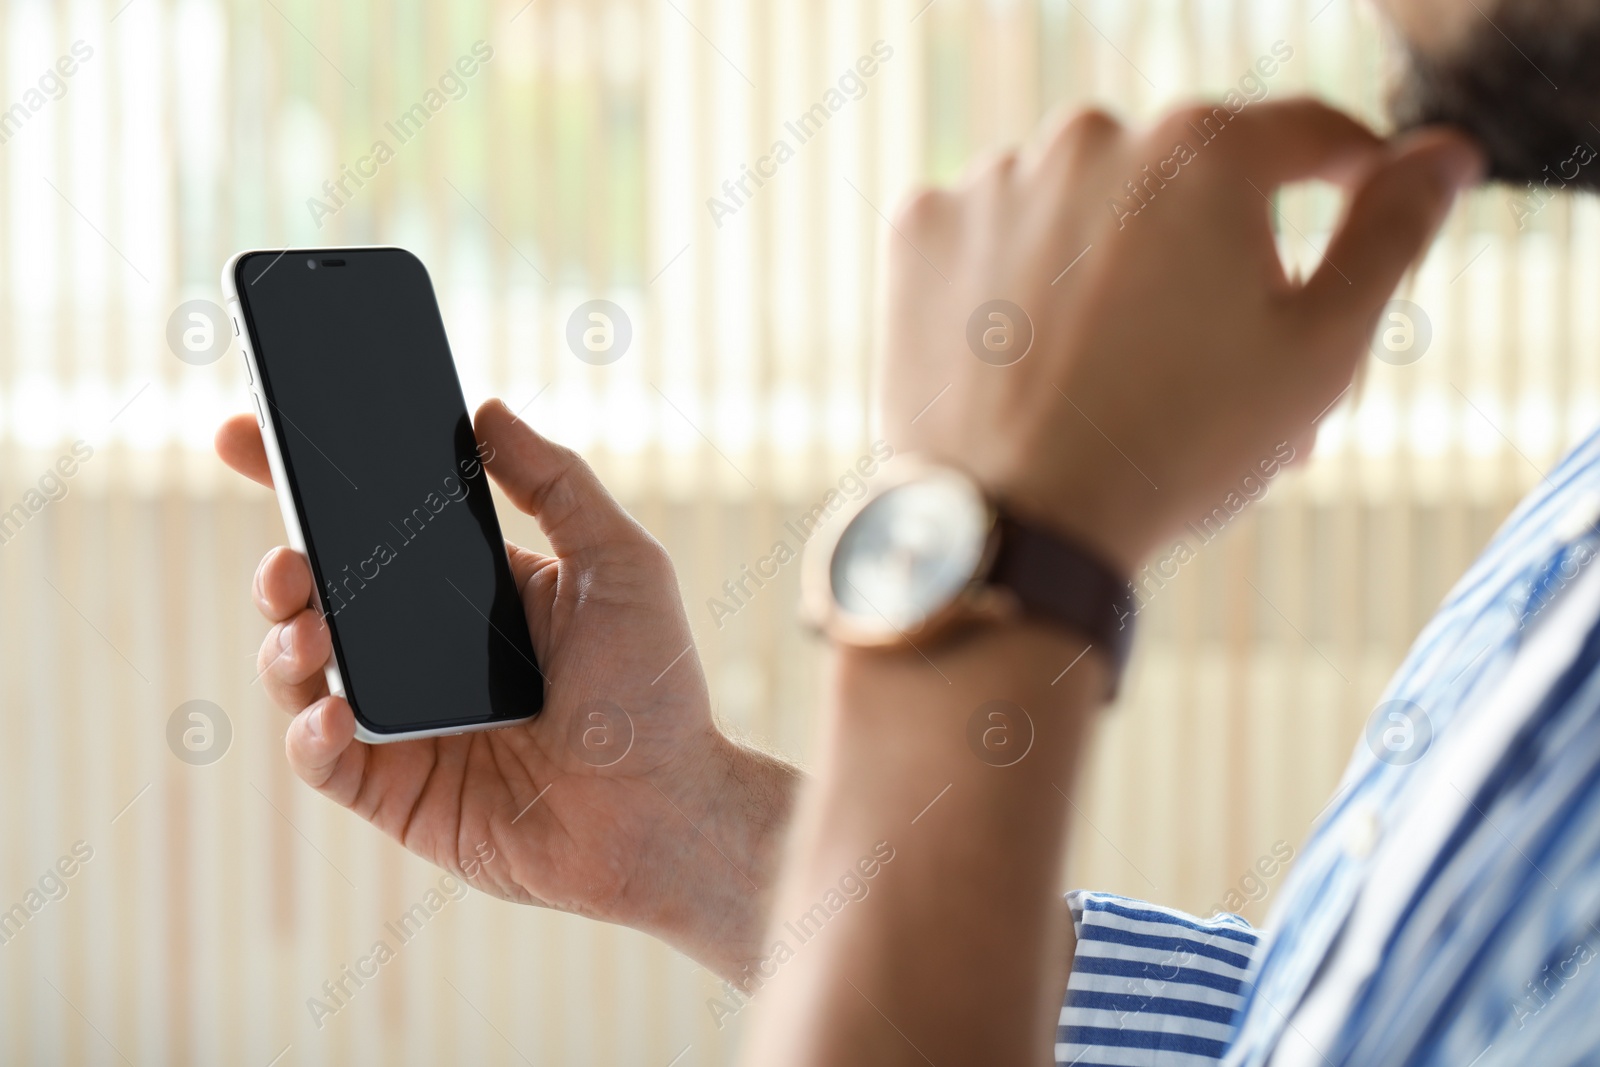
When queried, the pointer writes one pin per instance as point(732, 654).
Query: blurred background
point(575, 164)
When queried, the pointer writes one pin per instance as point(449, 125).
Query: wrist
point(999, 710)
point(998, 713)
point(1090, 517)
point(717, 894)
point(1041, 666)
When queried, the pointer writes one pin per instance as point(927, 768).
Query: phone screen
point(388, 480)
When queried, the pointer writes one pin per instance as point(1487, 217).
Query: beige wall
point(578, 164)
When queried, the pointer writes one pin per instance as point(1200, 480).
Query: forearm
point(960, 948)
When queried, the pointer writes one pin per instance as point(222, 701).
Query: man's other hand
point(1171, 356)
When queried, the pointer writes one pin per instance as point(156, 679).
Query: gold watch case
point(975, 601)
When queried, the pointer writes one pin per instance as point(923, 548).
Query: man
point(1444, 910)
point(1432, 896)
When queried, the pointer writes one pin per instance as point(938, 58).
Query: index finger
point(1276, 142)
point(238, 444)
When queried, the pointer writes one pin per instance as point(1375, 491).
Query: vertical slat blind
point(578, 165)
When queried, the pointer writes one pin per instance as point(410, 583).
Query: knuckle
point(1073, 144)
point(271, 656)
point(566, 456)
point(287, 671)
point(629, 543)
point(1182, 121)
point(318, 625)
point(657, 557)
point(920, 210)
point(1082, 129)
point(298, 747)
point(559, 494)
point(308, 633)
point(993, 168)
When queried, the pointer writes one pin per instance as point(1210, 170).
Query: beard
point(1526, 85)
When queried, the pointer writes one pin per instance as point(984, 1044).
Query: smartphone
point(382, 487)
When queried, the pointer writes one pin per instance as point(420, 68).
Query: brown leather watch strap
point(1057, 581)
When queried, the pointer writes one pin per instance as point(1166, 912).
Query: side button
point(261, 419)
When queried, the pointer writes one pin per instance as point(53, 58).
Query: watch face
point(910, 552)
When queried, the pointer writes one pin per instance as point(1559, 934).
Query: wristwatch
point(928, 551)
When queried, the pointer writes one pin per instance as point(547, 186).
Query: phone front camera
point(311, 264)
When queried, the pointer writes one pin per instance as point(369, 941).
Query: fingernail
point(255, 586)
point(285, 640)
point(314, 722)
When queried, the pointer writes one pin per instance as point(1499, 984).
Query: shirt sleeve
point(1150, 986)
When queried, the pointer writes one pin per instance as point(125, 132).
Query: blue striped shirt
point(1446, 907)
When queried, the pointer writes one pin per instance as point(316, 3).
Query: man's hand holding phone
point(621, 801)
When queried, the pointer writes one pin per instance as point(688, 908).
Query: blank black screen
point(407, 555)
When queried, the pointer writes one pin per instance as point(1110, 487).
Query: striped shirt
point(1154, 984)
point(1446, 907)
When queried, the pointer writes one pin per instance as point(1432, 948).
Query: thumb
point(552, 483)
point(1393, 215)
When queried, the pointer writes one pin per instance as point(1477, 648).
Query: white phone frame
point(280, 483)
